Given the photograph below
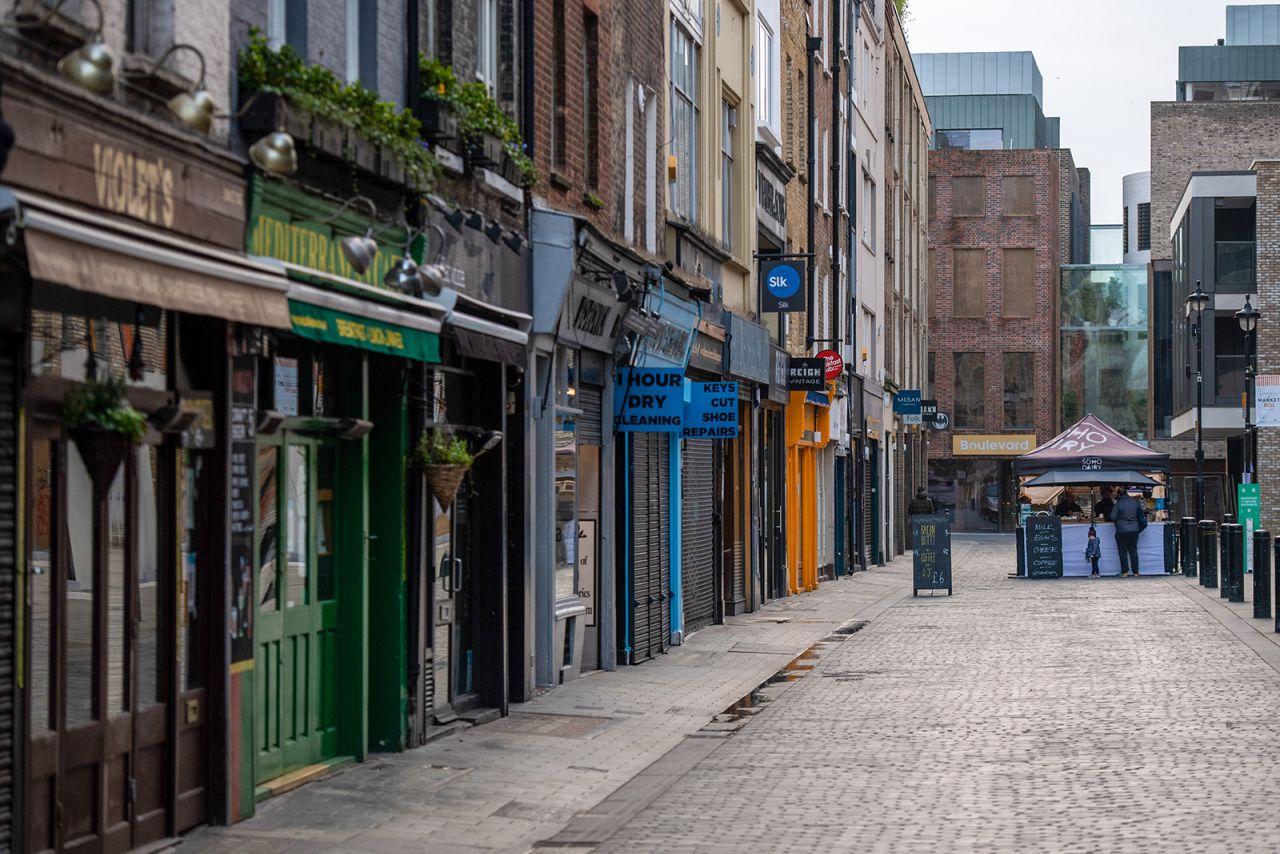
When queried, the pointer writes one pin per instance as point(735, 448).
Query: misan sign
point(1003, 445)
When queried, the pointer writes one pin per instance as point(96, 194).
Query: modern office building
point(1136, 228)
point(1001, 225)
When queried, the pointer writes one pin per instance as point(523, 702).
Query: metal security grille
point(590, 400)
point(651, 557)
point(868, 501)
point(698, 534)
point(900, 498)
point(9, 451)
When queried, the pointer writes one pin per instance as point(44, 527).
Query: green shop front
point(320, 439)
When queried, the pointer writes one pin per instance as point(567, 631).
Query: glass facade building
point(1104, 333)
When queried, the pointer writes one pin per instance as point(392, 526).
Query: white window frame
point(764, 73)
point(353, 41)
point(728, 175)
point(487, 42)
point(276, 24)
point(683, 199)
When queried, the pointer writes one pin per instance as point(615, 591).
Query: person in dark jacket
point(1104, 506)
point(1128, 517)
point(920, 504)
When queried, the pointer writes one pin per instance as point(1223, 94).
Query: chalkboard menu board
point(242, 418)
point(931, 535)
point(1044, 547)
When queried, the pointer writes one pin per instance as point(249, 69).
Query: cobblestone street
point(1070, 715)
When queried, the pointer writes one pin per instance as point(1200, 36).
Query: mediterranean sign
point(648, 400)
point(807, 375)
point(1000, 445)
point(711, 412)
point(1044, 547)
point(931, 553)
point(781, 285)
point(337, 327)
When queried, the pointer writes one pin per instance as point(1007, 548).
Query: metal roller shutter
point(9, 450)
point(590, 400)
point(868, 499)
point(698, 534)
point(900, 498)
point(651, 489)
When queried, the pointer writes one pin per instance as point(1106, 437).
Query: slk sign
point(781, 285)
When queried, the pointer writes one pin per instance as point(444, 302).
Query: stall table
point(1151, 546)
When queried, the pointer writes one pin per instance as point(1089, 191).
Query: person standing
point(921, 503)
point(1105, 505)
point(1093, 550)
point(1129, 520)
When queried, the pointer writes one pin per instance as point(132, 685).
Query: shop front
point(319, 451)
point(975, 486)
point(773, 484)
point(808, 433)
point(124, 265)
point(751, 363)
point(700, 498)
point(581, 297)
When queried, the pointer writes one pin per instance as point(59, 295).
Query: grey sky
point(1103, 61)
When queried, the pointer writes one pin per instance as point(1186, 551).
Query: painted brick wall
point(993, 334)
point(1191, 137)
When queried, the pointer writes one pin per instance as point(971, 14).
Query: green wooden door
point(295, 717)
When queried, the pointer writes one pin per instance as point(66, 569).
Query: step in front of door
point(294, 779)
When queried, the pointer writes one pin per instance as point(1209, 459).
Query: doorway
point(297, 549)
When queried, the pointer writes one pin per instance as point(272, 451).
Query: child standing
point(1093, 550)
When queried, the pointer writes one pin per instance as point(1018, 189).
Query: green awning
point(374, 328)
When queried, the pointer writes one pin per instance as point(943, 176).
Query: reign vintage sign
point(106, 165)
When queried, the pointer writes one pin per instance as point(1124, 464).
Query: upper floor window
point(971, 140)
point(684, 121)
point(487, 42)
point(765, 72)
point(1144, 226)
point(729, 126)
point(275, 24)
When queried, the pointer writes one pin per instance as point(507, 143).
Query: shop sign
point(707, 353)
point(591, 317)
point(331, 326)
point(907, 402)
point(834, 364)
point(711, 412)
point(1249, 514)
point(771, 205)
point(807, 375)
point(669, 344)
point(1267, 400)
point(1001, 445)
point(782, 285)
point(779, 385)
point(587, 567)
point(648, 400)
point(750, 350)
point(121, 173)
point(315, 247)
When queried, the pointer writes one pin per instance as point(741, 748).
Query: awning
point(145, 265)
point(337, 319)
point(480, 338)
point(1068, 477)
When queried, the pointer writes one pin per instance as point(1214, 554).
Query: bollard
point(1208, 553)
point(1188, 546)
point(1235, 564)
point(1224, 558)
point(1228, 518)
point(1261, 574)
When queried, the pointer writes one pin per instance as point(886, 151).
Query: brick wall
point(1191, 137)
point(1268, 274)
point(994, 334)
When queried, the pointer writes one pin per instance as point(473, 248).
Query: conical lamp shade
point(193, 109)
point(92, 66)
point(403, 276)
point(275, 153)
point(359, 251)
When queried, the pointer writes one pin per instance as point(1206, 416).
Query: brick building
point(1000, 226)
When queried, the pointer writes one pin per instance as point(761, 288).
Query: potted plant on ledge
point(104, 426)
point(445, 460)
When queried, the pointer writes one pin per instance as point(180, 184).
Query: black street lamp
point(1198, 302)
point(1247, 317)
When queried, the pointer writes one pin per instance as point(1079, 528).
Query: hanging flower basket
point(102, 451)
point(444, 481)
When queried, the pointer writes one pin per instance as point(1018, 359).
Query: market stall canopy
point(1092, 448)
point(1067, 477)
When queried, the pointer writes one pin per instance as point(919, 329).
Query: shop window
point(268, 528)
point(969, 272)
point(146, 526)
point(117, 520)
point(969, 196)
point(42, 563)
point(1019, 391)
point(1018, 274)
point(192, 510)
point(970, 391)
point(1018, 195)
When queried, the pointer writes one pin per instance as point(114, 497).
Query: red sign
point(835, 364)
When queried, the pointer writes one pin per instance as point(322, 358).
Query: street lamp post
point(1247, 317)
point(1198, 302)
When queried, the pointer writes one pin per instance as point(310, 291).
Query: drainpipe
point(812, 44)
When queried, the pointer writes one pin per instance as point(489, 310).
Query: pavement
point(1066, 715)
